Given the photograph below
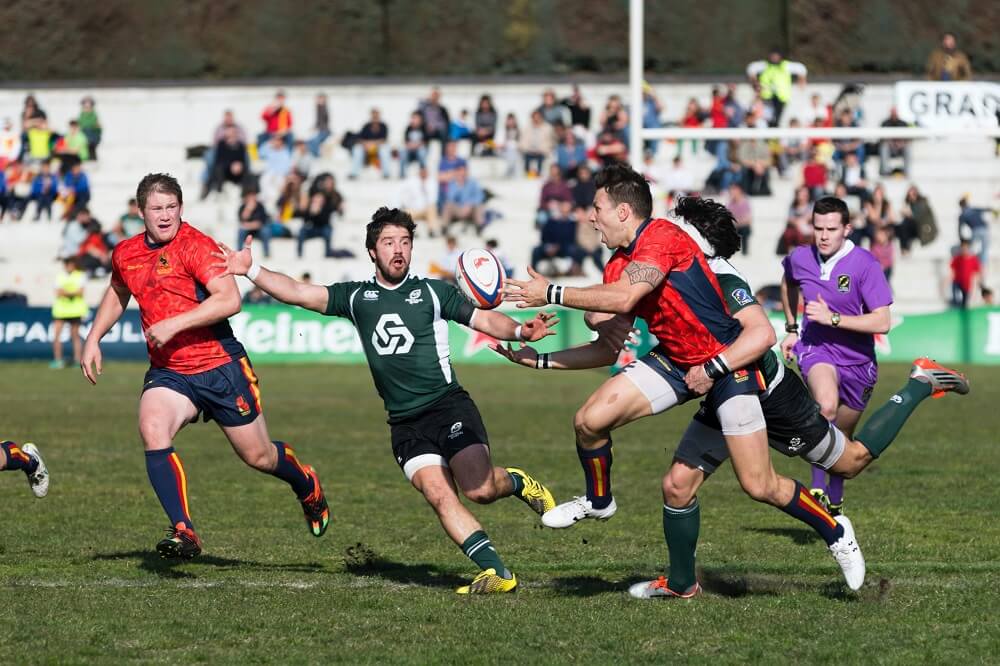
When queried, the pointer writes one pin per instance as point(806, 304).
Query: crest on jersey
point(742, 296)
point(163, 264)
point(370, 295)
point(456, 430)
point(843, 283)
point(414, 297)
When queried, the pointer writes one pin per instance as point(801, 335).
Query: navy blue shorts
point(228, 394)
point(663, 384)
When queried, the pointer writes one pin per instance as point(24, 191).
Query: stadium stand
point(151, 129)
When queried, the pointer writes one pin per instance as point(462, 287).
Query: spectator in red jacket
point(277, 120)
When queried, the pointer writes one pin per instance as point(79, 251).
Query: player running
point(28, 459)
point(795, 425)
point(197, 367)
point(847, 303)
point(438, 436)
point(659, 273)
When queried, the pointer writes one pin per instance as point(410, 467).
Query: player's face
point(162, 216)
point(392, 254)
point(607, 219)
point(830, 233)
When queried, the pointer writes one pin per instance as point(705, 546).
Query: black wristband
point(716, 368)
point(542, 361)
point(554, 294)
point(791, 328)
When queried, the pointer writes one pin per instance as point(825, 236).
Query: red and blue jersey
point(686, 312)
point(168, 279)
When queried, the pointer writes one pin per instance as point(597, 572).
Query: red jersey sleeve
point(198, 259)
point(116, 271)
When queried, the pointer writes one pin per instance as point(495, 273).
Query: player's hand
point(787, 346)
point(235, 263)
point(91, 362)
point(161, 332)
point(527, 293)
point(525, 356)
point(539, 327)
point(698, 380)
point(595, 319)
point(616, 331)
point(819, 311)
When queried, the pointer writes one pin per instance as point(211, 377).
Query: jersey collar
point(826, 267)
point(638, 232)
point(385, 286)
point(157, 246)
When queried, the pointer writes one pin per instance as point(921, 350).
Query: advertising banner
point(282, 334)
point(948, 104)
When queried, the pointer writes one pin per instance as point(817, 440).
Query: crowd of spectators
point(41, 167)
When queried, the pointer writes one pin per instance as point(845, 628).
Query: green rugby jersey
point(404, 332)
point(738, 295)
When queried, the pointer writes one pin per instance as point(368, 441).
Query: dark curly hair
point(384, 217)
point(713, 221)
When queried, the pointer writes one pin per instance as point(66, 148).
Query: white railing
point(819, 133)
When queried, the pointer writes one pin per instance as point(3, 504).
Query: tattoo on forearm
point(643, 273)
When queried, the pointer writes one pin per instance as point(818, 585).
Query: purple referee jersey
point(852, 283)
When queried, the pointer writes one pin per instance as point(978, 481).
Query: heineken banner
point(280, 334)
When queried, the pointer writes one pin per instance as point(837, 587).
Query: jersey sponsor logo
point(843, 283)
point(896, 398)
point(391, 336)
point(742, 296)
point(134, 267)
point(242, 406)
point(741, 375)
point(456, 430)
point(163, 266)
point(370, 295)
point(794, 444)
point(415, 297)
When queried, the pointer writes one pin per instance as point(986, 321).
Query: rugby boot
point(940, 378)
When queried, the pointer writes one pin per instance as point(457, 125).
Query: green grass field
point(80, 581)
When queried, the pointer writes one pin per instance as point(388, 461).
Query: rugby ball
point(480, 277)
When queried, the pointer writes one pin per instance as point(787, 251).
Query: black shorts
point(436, 434)
point(228, 394)
point(795, 427)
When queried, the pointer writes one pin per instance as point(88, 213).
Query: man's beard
point(387, 272)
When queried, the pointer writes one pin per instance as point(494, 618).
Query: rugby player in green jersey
point(438, 436)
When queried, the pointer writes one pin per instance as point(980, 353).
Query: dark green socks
point(479, 549)
point(680, 529)
point(883, 426)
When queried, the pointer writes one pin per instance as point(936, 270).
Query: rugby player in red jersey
point(197, 366)
point(659, 273)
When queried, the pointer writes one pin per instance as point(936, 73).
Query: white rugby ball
point(480, 276)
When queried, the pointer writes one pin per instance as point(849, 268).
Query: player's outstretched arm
point(621, 297)
point(278, 285)
point(116, 297)
point(613, 333)
point(502, 327)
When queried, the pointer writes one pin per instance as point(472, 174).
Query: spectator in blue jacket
point(465, 200)
point(75, 186)
point(44, 189)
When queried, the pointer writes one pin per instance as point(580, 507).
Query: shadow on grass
point(151, 561)
point(800, 535)
point(589, 586)
point(361, 560)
